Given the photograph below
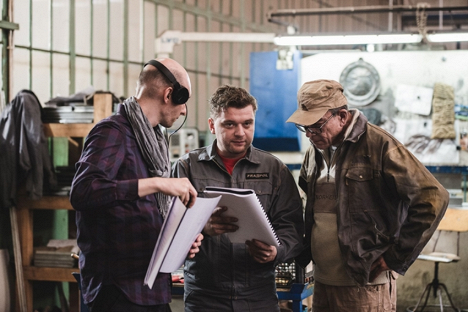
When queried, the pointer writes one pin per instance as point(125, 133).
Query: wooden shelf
point(67, 130)
point(26, 207)
point(102, 109)
point(49, 274)
point(46, 202)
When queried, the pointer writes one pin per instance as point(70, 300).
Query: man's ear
point(167, 94)
point(211, 125)
point(343, 113)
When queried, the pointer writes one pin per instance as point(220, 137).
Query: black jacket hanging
point(24, 155)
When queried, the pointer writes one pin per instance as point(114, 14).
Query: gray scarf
point(153, 146)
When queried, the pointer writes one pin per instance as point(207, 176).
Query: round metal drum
point(361, 83)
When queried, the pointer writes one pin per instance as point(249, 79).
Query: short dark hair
point(230, 96)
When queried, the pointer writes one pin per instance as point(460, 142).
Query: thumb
point(219, 210)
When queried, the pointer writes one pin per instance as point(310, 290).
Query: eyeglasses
point(313, 130)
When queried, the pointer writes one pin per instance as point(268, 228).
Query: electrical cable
point(185, 119)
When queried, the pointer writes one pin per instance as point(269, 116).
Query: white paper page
point(174, 215)
point(252, 220)
point(192, 224)
point(178, 232)
point(413, 99)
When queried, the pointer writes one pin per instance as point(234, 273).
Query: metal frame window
point(64, 46)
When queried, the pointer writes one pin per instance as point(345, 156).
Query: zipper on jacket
point(222, 167)
point(332, 157)
point(326, 163)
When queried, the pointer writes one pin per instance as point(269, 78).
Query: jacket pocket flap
point(260, 187)
point(359, 174)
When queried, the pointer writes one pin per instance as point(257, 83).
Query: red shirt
point(229, 163)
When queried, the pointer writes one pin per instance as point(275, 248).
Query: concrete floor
point(177, 304)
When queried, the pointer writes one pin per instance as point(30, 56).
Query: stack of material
point(68, 114)
point(56, 254)
point(76, 108)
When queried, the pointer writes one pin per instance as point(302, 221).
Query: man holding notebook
point(122, 190)
point(228, 276)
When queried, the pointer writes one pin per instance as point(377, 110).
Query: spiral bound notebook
point(180, 229)
point(252, 220)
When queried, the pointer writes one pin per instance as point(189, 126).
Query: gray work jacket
point(227, 270)
point(388, 202)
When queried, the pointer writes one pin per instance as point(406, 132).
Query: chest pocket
point(362, 188)
point(263, 189)
point(359, 174)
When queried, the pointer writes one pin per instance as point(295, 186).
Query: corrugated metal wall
point(64, 46)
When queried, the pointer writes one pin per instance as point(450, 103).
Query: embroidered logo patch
point(250, 176)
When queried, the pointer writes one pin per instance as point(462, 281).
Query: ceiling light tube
point(347, 39)
point(448, 37)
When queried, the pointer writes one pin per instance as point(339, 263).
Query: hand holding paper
point(261, 252)
point(220, 222)
point(195, 246)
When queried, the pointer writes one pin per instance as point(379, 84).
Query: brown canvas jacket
point(388, 202)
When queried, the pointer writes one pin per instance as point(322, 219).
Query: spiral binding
point(245, 192)
point(268, 219)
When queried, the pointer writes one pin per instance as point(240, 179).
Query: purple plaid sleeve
point(117, 230)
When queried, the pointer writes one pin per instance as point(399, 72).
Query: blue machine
point(276, 93)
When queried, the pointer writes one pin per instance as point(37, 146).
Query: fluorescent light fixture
point(448, 37)
point(367, 39)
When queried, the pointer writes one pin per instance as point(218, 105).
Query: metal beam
point(9, 25)
point(165, 42)
point(7, 34)
point(72, 48)
point(196, 10)
point(359, 10)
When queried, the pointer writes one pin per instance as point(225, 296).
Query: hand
point(261, 252)
point(219, 224)
point(377, 267)
point(194, 249)
point(180, 187)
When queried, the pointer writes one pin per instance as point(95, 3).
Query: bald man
point(122, 190)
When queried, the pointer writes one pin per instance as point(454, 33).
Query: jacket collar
point(210, 154)
point(358, 126)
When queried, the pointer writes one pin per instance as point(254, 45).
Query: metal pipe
point(51, 46)
point(390, 16)
point(441, 15)
point(72, 48)
point(125, 46)
point(358, 10)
